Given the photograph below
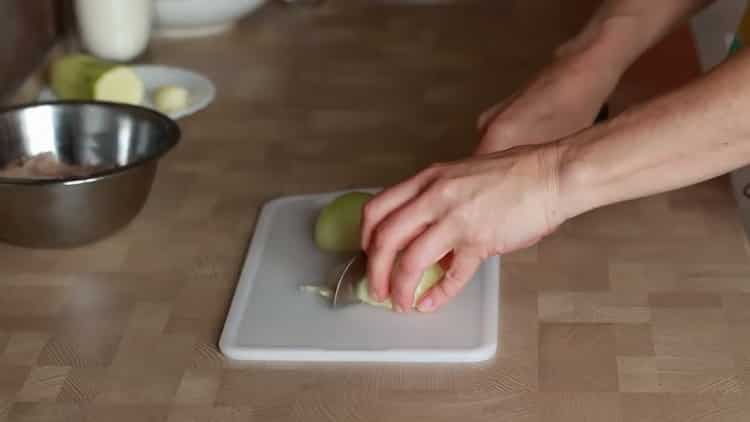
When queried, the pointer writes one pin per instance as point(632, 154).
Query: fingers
point(463, 268)
point(389, 200)
point(426, 250)
point(392, 235)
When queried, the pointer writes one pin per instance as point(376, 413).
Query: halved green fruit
point(119, 84)
point(83, 77)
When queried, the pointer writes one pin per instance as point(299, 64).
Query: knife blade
point(344, 287)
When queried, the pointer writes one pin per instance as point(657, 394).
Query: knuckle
point(389, 233)
point(432, 170)
point(446, 189)
point(380, 241)
point(389, 228)
point(369, 211)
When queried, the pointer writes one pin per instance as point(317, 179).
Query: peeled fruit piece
point(121, 85)
point(337, 228)
point(430, 278)
point(83, 77)
point(170, 98)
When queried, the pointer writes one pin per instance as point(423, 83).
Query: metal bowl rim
point(173, 133)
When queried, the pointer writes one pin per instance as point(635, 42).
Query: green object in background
point(83, 77)
point(65, 77)
point(338, 226)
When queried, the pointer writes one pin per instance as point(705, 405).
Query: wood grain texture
point(633, 313)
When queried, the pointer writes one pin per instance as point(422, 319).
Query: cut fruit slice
point(119, 84)
point(429, 279)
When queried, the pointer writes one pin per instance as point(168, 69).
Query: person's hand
point(472, 209)
point(563, 99)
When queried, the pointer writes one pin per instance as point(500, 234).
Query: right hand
point(560, 101)
point(467, 211)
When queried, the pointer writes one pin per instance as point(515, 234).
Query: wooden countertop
point(636, 312)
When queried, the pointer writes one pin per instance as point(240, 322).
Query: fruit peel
point(338, 226)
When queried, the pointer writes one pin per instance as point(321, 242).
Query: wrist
point(575, 178)
point(558, 203)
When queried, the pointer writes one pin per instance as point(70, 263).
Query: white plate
point(201, 90)
point(271, 320)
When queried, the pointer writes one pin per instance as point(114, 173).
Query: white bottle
point(114, 29)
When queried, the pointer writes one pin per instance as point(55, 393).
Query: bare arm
point(496, 203)
point(621, 30)
point(566, 96)
point(499, 202)
point(688, 136)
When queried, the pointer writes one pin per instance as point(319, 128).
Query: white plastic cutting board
point(270, 319)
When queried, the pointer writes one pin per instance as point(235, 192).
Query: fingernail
point(398, 308)
point(426, 305)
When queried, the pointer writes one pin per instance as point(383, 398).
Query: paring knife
point(343, 287)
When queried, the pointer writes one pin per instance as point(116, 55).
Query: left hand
point(474, 208)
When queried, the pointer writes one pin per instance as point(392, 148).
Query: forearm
point(565, 97)
point(619, 32)
point(691, 135)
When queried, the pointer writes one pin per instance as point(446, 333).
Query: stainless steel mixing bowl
point(127, 140)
